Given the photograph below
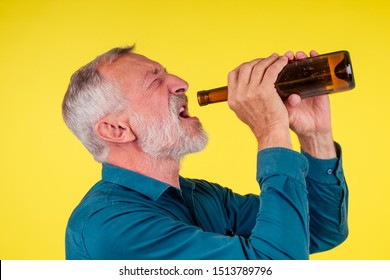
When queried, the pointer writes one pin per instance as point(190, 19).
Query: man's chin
point(194, 144)
point(200, 143)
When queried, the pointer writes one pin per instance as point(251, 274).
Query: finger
point(293, 101)
point(244, 72)
point(313, 53)
point(235, 72)
point(233, 76)
point(273, 71)
point(292, 104)
point(240, 75)
point(290, 55)
point(300, 55)
point(260, 68)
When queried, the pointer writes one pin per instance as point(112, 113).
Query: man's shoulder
point(207, 187)
point(101, 196)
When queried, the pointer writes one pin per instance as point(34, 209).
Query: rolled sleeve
point(283, 218)
point(281, 161)
point(328, 199)
point(326, 171)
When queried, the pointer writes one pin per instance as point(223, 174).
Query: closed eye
point(155, 83)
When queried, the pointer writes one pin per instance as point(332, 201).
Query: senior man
point(132, 115)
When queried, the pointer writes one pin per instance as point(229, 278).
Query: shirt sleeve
point(328, 202)
point(282, 224)
point(281, 230)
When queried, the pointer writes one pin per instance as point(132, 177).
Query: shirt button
point(329, 171)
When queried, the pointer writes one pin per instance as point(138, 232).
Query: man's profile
point(132, 116)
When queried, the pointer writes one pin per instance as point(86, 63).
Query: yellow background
point(45, 171)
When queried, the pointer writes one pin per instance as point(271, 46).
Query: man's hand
point(253, 97)
point(310, 119)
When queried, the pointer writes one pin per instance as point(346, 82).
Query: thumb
point(291, 104)
point(292, 101)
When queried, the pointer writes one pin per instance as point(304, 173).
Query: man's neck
point(162, 169)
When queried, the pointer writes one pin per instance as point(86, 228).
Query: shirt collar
point(145, 185)
point(133, 180)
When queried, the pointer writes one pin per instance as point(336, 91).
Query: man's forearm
point(274, 137)
point(328, 201)
point(320, 146)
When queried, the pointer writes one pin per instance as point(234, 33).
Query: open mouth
point(183, 111)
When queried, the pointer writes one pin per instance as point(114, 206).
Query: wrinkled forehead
point(130, 65)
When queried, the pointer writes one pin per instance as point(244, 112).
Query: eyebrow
point(155, 70)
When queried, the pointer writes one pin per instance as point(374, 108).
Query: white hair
point(89, 98)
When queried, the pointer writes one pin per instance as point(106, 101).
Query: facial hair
point(168, 138)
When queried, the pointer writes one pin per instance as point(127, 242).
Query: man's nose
point(177, 85)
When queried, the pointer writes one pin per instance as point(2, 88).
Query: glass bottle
point(322, 74)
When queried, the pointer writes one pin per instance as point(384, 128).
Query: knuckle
point(274, 69)
point(258, 67)
point(232, 104)
point(232, 75)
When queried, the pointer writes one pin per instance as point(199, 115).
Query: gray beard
point(167, 138)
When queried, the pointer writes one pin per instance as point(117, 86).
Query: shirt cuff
point(281, 161)
point(327, 171)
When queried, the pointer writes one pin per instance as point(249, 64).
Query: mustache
point(175, 101)
point(178, 98)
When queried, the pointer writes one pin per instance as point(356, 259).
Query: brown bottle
point(323, 74)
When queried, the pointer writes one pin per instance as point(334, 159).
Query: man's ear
point(112, 129)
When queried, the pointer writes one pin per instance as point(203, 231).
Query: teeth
point(182, 109)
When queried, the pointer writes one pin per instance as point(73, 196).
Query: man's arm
point(310, 119)
point(252, 96)
point(328, 202)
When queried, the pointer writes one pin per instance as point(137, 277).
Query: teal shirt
point(302, 209)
